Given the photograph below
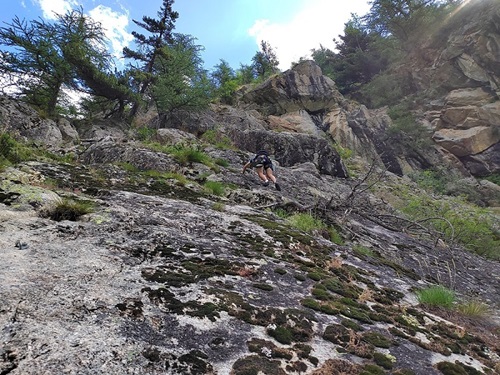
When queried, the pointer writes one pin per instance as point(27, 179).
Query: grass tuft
point(306, 222)
point(215, 187)
point(68, 209)
point(473, 308)
point(436, 295)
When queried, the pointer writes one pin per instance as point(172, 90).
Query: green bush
point(222, 162)
point(363, 250)
point(282, 213)
point(436, 295)
point(180, 178)
point(335, 236)
point(12, 151)
point(385, 89)
point(469, 225)
point(431, 180)
point(406, 130)
point(495, 178)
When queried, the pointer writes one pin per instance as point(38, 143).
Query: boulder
point(463, 142)
point(302, 87)
point(469, 97)
point(174, 136)
point(484, 163)
point(25, 124)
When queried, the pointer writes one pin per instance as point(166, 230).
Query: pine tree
point(150, 47)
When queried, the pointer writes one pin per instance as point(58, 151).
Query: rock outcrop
point(165, 278)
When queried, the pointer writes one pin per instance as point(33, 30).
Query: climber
point(264, 168)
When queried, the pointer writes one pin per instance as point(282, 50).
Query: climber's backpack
point(261, 159)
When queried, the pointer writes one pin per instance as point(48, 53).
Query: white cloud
point(52, 7)
point(114, 25)
point(318, 22)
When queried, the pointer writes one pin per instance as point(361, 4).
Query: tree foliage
point(150, 47)
point(265, 62)
point(405, 20)
point(181, 82)
point(90, 61)
point(361, 54)
point(34, 63)
point(44, 58)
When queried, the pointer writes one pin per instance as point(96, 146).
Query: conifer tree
point(150, 47)
point(265, 62)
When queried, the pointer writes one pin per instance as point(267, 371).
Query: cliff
point(130, 254)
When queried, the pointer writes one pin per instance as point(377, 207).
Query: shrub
point(407, 131)
point(126, 166)
point(469, 225)
point(335, 236)
point(436, 295)
point(180, 178)
point(495, 178)
point(385, 89)
point(363, 250)
point(432, 180)
point(306, 222)
point(280, 212)
point(12, 151)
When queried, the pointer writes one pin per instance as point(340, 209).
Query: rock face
point(24, 122)
point(166, 278)
point(302, 88)
point(169, 275)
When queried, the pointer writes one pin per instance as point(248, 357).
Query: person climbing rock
point(264, 168)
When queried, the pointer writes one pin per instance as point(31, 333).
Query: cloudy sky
point(228, 29)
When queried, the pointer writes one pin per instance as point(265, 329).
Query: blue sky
point(228, 29)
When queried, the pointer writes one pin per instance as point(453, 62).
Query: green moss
point(337, 334)
point(300, 277)
point(372, 370)
point(254, 364)
point(351, 325)
point(321, 293)
point(316, 276)
point(281, 334)
point(263, 286)
point(165, 276)
point(448, 368)
point(388, 296)
point(403, 371)
point(280, 271)
point(377, 339)
point(343, 289)
point(311, 303)
point(383, 360)
point(196, 362)
point(166, 301)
